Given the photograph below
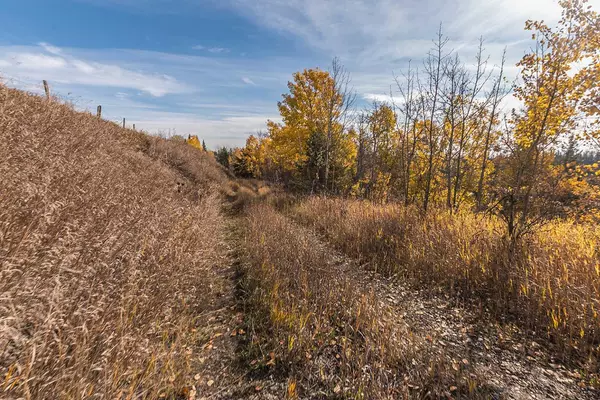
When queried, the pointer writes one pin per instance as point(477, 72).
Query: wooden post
point(46, 89)
point(123, 122)
point(99, 112)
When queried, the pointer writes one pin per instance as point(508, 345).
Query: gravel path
point(512, 365)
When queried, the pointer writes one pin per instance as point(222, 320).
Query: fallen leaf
point(191, 394)
point(210, 383)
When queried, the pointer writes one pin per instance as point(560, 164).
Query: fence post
point(99, 112)
point(134, 127)
point(123, 122)
point(46, 89)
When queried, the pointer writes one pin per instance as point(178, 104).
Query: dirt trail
point(512, 366)
point(222, 371)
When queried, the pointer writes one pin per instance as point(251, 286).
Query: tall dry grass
point(551, 285)
point(327, 332)
point(108, 255)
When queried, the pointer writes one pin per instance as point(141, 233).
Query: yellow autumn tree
point(586, 30)
point(553, 94)
point(378, 148)
point(312, 146)
point(248, 162)
point(193, 141)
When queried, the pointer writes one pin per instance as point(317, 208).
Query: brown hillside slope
point(109, 240)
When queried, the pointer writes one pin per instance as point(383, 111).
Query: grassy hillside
point(110, 245)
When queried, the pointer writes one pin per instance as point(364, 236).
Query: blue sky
point(217, 68)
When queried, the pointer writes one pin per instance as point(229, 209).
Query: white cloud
point(354, 25)
point(326, 24)
point(505, 18)
point(50, 49)
point(208, 95)
point(30, 61)
point(26, 63)
point(217, 50)
point(230, 131)
point(375, 37)
point(213, 50)
point(381, 98)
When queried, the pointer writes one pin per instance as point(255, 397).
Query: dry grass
point(242, 193)
point(107, 255)
point(551, 285)
point(110, 248)
point(327, 333)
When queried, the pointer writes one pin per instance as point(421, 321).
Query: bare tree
point(434, 69)
point(470, 111)
point(496, 96)
point(456, 75)
point(339, 111)
point(410, 112)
